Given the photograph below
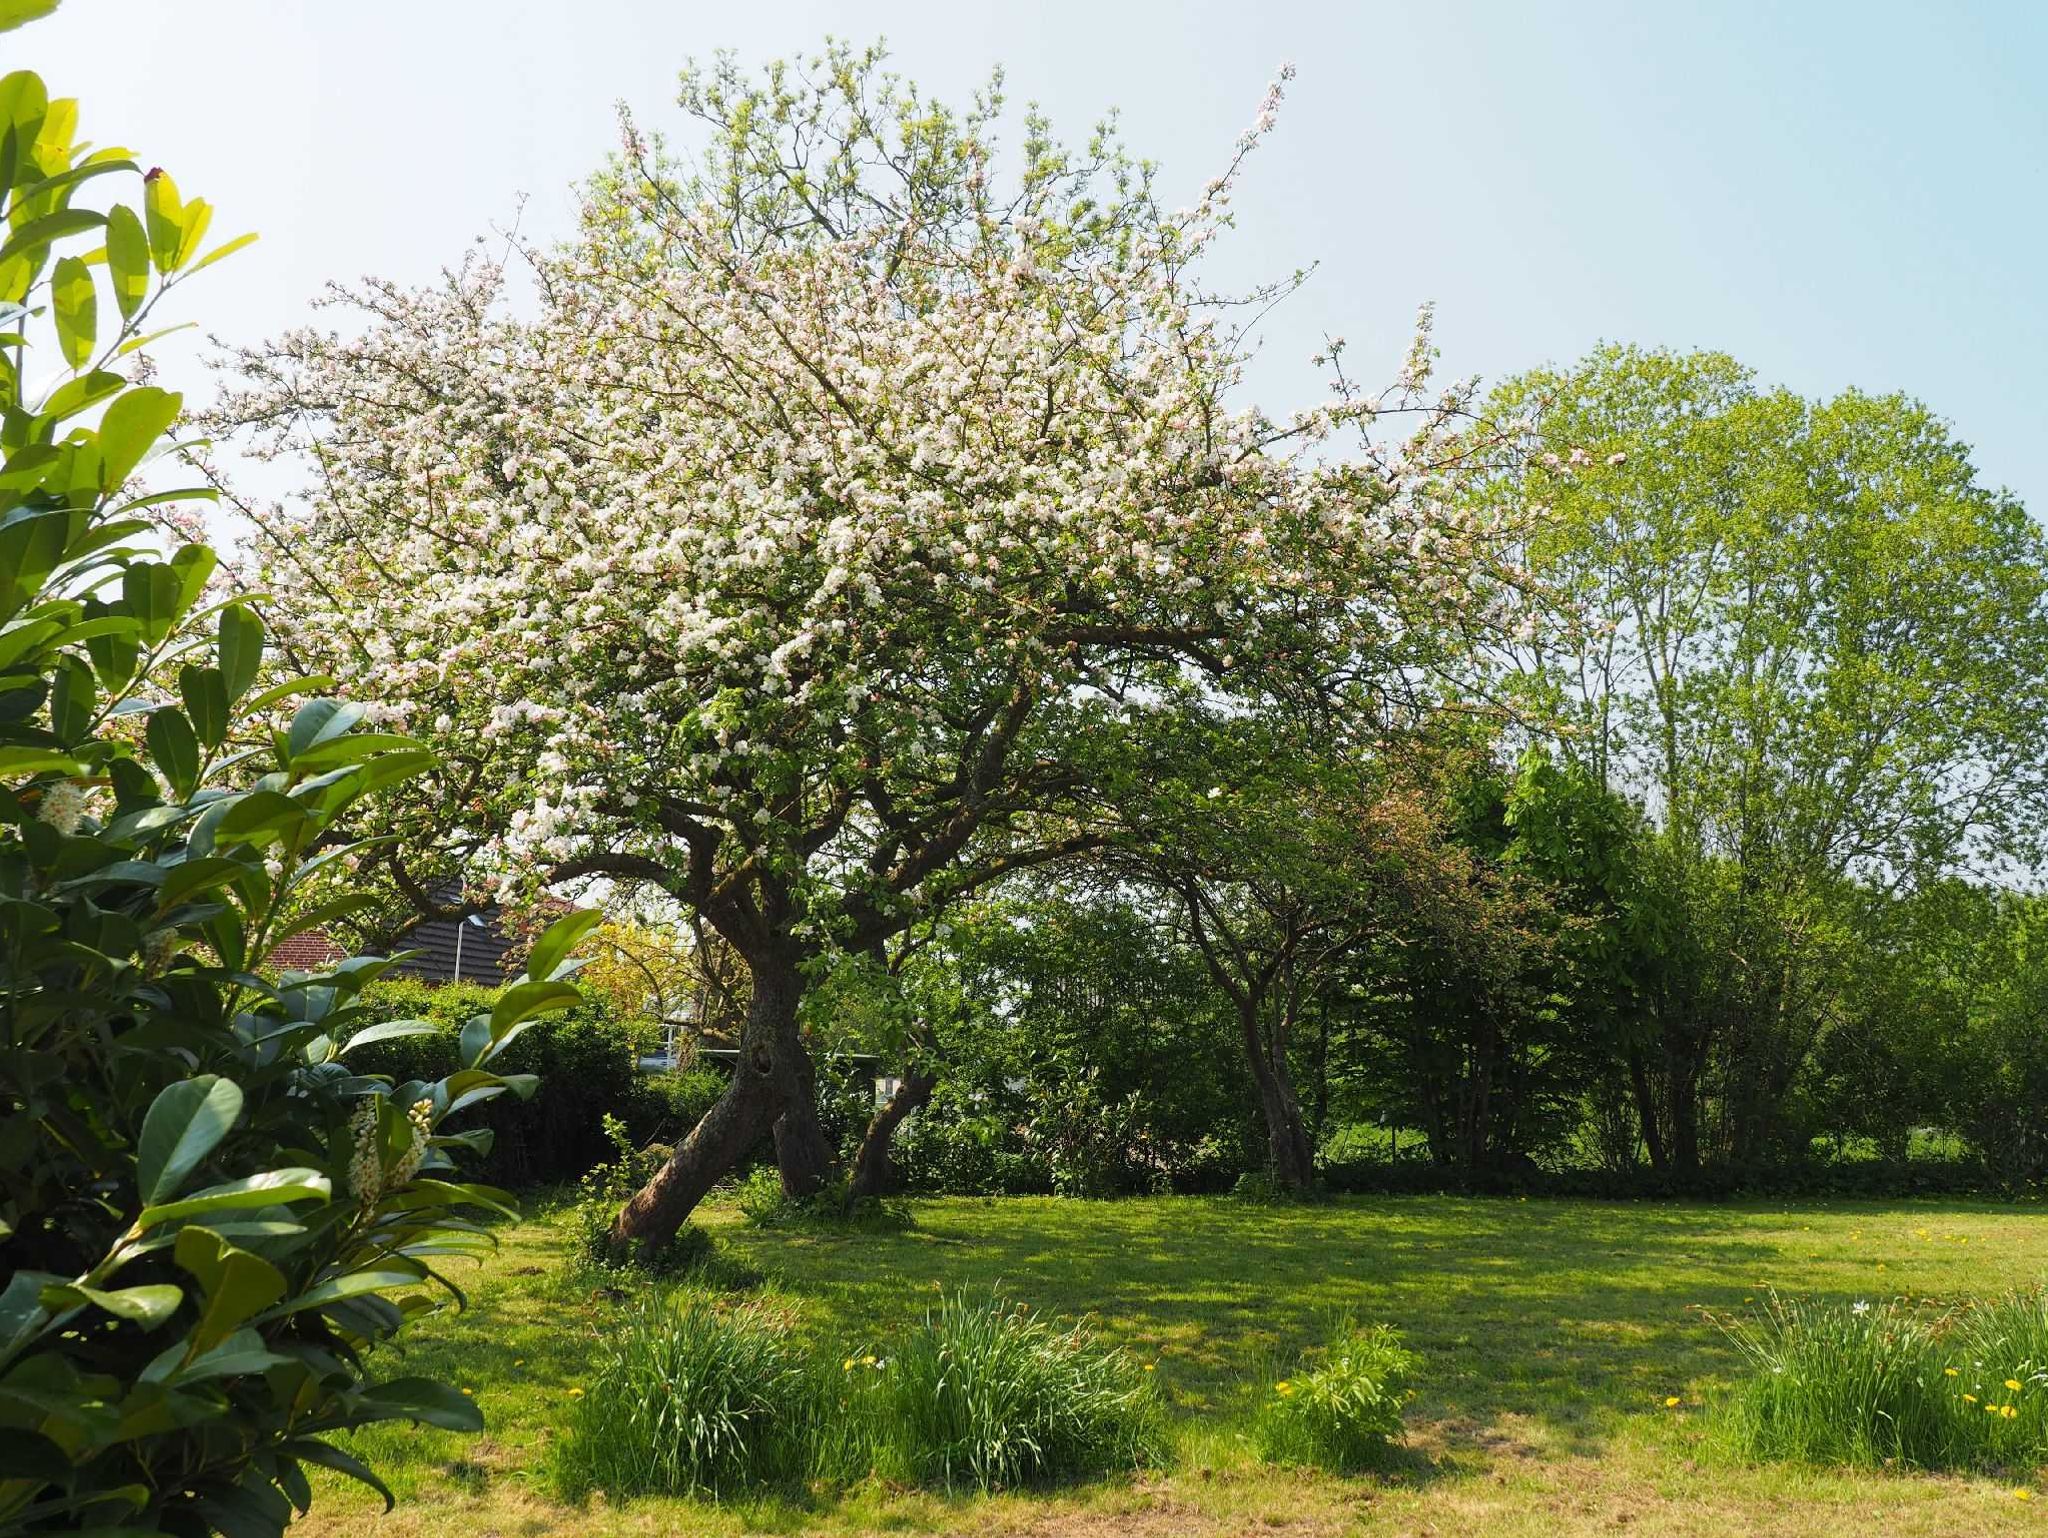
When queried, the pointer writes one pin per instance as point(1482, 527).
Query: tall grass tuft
point(1342, 1405)
point(689, 1400)
point(1877, 1383)
point(985, 1394)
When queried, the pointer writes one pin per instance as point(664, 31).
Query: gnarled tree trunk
point(871, 1165)
point(772, 1073)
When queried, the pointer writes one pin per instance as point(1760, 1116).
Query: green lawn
point(1553, 1333)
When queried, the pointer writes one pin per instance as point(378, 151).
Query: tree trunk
point(803, 1155)
point(1684, 1118)
point(772, 1065)
point(1291, 1155)
point(1646, 1111)
point(871, 1166)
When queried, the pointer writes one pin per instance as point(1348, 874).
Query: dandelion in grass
point(2013, 1384)
point(1969, 1399)
point(1672, 1402)
point(2023, 1494)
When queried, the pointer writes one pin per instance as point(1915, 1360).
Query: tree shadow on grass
point(1573, 1316)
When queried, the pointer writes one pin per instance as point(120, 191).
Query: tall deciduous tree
point(817, 549)
point(1816, 649)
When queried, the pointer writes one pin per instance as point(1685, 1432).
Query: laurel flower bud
point(365, 1168)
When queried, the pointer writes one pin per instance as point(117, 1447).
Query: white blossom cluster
point(764, 535)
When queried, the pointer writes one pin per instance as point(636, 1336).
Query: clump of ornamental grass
point(985, 1394)
point(1341, 1405)
point(1894, 1384)
point(690, 1399)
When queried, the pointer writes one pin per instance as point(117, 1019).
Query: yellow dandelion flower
point(1948, 1372)
point(1283, 1387)
point(867, 1361)
point(2023, 1494)
point(847, 1365)
point(2010, 1412)
point(575, 1393)
point(469, 1393)
point(1672, 1402)
point(519, 1361)
point(1969, 1399)
point(1991, 1409)
point(1151, 1367)
point(2013, 1384)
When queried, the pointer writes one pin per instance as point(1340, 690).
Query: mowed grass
point(1552, 1335)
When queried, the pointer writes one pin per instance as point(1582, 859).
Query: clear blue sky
point(1837, 193)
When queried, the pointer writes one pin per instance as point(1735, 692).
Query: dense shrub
point(587, 1062)
point(1342, 1405)
point(985, 1394)
point(1891, 1383)
point(203, 1205)
point(690, 1399)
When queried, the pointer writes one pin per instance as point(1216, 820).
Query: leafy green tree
point(208, 1218)
point(1815, 650)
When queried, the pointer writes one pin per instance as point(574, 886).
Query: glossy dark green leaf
point(185, 1123)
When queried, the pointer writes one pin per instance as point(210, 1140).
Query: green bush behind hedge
point(587, 1060)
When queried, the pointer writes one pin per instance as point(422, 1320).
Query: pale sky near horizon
point(1838, 193)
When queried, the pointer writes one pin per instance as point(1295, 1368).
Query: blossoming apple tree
point(819, 542)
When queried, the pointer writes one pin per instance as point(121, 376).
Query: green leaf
point(554, 945)
point(390, 1030)
point(39, 233)
point(80, 394)
point(353, 1284)
point(306, 1450)
point(72, 697)
point(273, 1188)
point(127, 260)
point(133, 424)
point(164, 216)
point(26, 761)
point(174, 748)
point(241, 648)
point(193, 222)
point(185, 1123)
point(319, 721)
point(205, 693)
point(523, 1001)
point(19, 13)
point(259, 818)
point(237, 1285)
point(225, 248)
point(194, 876)
point(241, 1353)
point(147, 1306)
point(75, 307)
point(422, 1399)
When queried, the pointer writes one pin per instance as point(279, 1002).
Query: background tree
point(825, 541)
point(1816, 651)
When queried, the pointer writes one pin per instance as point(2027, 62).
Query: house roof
point(489, 951)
